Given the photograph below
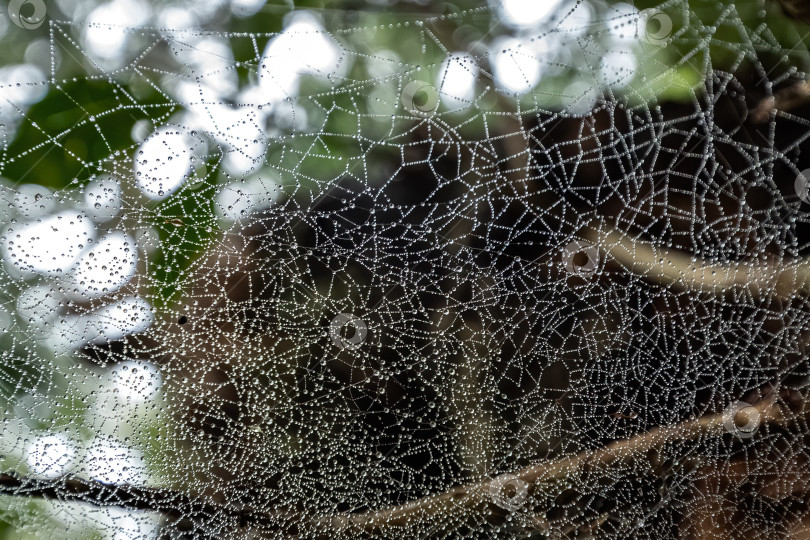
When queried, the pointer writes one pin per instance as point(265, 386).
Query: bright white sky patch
point(32, 200)
point(239, 199)
point(141, 130)
point(38, 303)
point(16, 84)
point(618, 67)
point(240, 129)
point(105, 267)
point(303, 47)
point(527, 12)
point(108, 523)
point(49, 456)
point(107, 460)
point(580, 97)
point(624, 27)
point(48, 245)
point(576, 23)
point(382, 63)
point(6, 320)
point(517, 67)
point(147, 239)
point(456, 80)
point(246, 8)
point(248, 148)
point(212, 60)
point(16, 438)
point(104, 35)
point(103, 198)
point(177, 19)
point(20, 86)
point(162, 162)
point(135, 525)
point(136, 381)
point(129, 315)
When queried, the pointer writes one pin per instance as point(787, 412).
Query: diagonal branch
point(796, 9)
point(478, 496)
point(456, 502)
point(682, 271)
point(173, 504)
point(785, 100)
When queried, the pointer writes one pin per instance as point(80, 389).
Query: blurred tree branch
point(476, 497)
point(785, 100)
point(685, 272)
point(796, 9)
point(177, 505)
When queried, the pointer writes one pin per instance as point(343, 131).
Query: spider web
point(311, 301)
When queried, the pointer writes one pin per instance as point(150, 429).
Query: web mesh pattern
point(353, 300)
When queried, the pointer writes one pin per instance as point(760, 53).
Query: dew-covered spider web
point(491, 272)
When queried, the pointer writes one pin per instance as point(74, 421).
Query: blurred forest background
point(198, 198)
